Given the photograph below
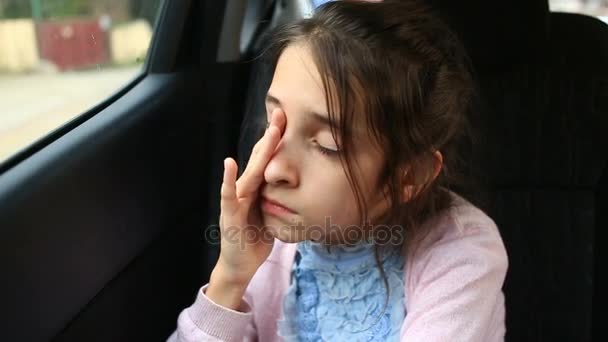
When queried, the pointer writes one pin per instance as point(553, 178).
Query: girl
point(343, 225)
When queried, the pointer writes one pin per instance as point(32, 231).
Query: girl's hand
point(244, 243)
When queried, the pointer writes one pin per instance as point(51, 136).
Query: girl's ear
point(437, 162)
point(418, 177)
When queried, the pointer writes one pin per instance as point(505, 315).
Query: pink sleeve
point(207, 321)
point(455, 288)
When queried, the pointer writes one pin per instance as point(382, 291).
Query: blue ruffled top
point(339, 295)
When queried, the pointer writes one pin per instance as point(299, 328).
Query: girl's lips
point(275, 208)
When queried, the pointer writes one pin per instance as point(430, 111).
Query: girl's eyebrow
point(324, 120)
point(320, 118)
point(273, 100)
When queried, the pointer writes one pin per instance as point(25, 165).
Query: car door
point(106, 219)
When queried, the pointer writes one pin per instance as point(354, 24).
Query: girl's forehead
point(296, 64)
point(296, 80)
point(298, 84)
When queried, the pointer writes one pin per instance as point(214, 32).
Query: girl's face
point(305, 173)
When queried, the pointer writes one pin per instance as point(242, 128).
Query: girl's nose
point(282, 169)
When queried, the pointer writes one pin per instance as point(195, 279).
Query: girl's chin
point(287, 233)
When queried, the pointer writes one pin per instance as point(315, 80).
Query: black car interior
point(109, 224)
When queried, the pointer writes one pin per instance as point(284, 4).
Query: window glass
point(595, 8)
point(59, 58)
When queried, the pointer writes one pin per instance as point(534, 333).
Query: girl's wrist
point(225, 291)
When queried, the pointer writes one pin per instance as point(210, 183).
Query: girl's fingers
point(228, 196)
point(278, 119)
point(253, 176)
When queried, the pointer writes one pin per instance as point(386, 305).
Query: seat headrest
point(498, 33)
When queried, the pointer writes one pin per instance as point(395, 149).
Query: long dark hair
point(396, 66)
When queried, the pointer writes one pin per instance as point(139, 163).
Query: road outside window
point(59, 58)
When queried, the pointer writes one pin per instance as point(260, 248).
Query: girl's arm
point(206, 320)
point(220, 313)
point(456, 288)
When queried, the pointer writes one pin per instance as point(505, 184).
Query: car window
point(59, 58)
point(595, 8)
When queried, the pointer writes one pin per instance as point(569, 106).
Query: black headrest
point(498, 33)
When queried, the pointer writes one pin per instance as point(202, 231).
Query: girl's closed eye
point(327, 151)
point(325, 143)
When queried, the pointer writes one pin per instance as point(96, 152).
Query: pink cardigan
point(453, 291)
